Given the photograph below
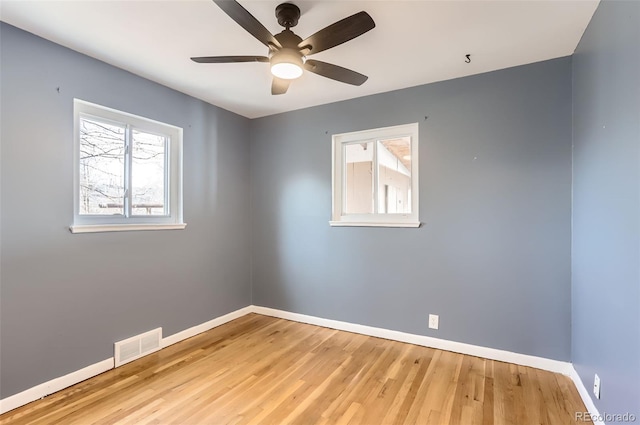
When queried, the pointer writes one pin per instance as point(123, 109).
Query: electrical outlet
point(433, 321)
point(596, 386)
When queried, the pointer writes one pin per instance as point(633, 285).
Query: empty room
point(320, 212)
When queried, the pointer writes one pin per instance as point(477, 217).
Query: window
point(127, 171)
point(375, 177)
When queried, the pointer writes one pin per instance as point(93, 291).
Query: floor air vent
point(137, 346)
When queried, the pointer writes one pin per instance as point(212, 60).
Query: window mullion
point(167, 174)
point(374, 175)
point(127, 171)
point(343, 177)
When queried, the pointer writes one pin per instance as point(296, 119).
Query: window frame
point(85, 223)
point(338, 141)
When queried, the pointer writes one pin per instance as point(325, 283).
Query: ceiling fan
point(288, 52)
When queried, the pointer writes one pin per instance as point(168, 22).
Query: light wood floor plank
point(259, 370)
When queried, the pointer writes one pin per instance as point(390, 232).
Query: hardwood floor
point(262, 370)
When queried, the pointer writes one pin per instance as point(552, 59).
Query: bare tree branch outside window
point(102, 170)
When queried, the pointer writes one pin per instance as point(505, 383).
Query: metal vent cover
point(137, 346)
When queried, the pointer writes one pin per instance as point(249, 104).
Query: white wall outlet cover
point(596, 386)
point(434, 320)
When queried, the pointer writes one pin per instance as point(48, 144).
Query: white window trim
point(124, 227)
point(108, 223)
point(338, 171)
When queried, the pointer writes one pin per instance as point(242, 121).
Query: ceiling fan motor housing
point(288, 39)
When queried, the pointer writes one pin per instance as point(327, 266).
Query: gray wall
point(66, 298)
point(606, 206)
point(493, 255)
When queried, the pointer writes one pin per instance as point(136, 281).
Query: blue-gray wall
point(493, 255)
point(66, 298)
point(606, 206)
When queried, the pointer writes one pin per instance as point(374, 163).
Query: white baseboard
point(426, 341)
point(586, 397)
point(198, 329)
point(56, 384)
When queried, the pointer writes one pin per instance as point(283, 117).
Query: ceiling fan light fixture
point(288, 51)
point(287, 64)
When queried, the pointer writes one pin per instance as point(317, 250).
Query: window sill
point(95, 228)
point(372, 224)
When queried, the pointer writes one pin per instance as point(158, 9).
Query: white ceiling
point(414, 42)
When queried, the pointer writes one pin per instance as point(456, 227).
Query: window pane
point(358, 186)
point(148, 174)
point(101, 167)
point(394, 176)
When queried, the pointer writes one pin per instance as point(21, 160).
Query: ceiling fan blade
point(339, 32)
point(230, 59)
point(335, 72)
point(247, 21)
point(279, 85)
